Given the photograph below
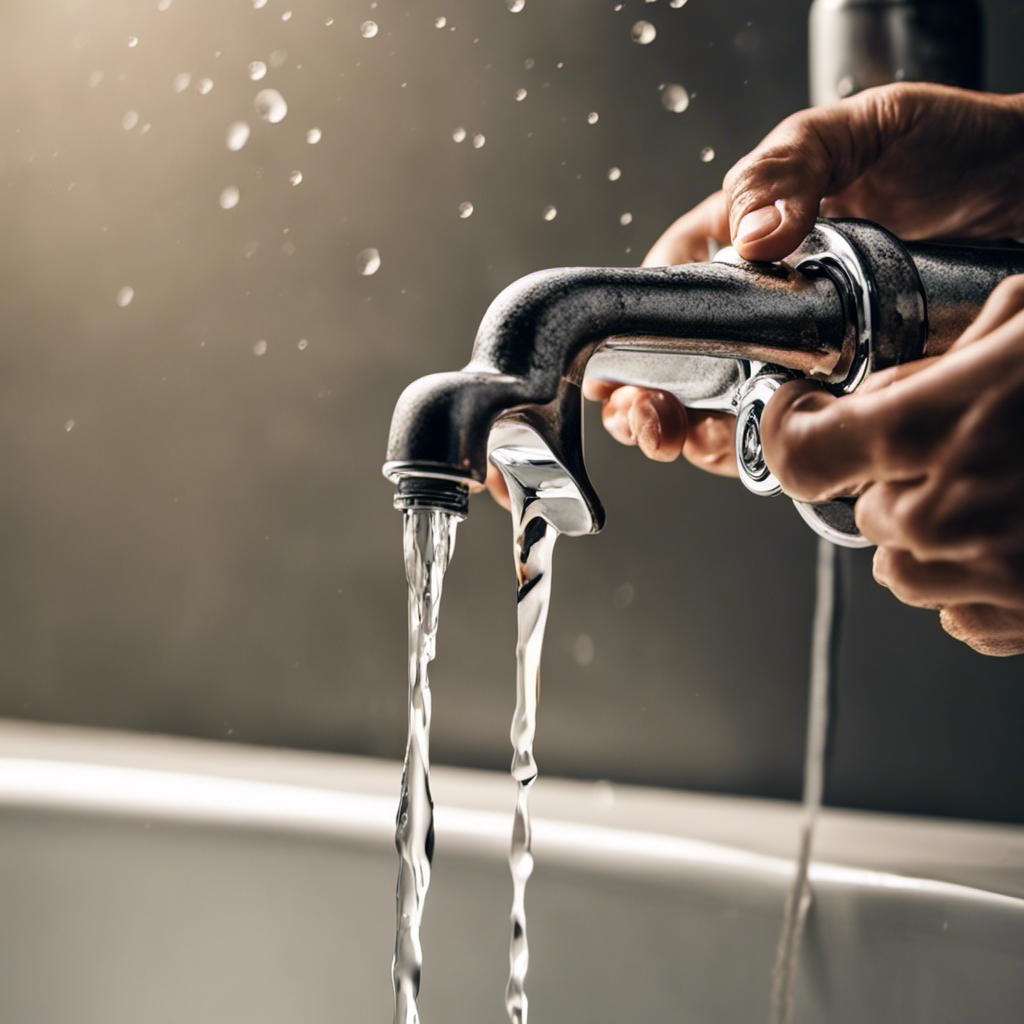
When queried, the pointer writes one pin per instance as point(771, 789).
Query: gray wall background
point(197, 539)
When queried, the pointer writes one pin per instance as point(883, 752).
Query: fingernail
point(758, 223)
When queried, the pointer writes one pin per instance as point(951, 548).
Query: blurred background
point(210, 298)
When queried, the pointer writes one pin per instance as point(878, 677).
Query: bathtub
point(148, 879)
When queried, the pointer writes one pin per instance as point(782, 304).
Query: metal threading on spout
point(851, 300)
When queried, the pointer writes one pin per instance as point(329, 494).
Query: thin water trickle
point(824, 649)
point(429, 540)
point(545, 501)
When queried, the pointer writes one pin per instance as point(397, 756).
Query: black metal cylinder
point(857, 44)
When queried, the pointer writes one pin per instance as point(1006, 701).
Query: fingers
point(820, 446)
point(686, 241)
point(652, 420)
point(774, 193)
point(935, 584)
point(495, 483)
point(1005, 302)
point(709, 443)
point(998, 632)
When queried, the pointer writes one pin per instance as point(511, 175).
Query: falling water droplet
point(368, 29)
point(163, 5)
point(295, 177)
point(593, 117)
point(440, 22)
point(465, 210)
point(846, 86)
point(181, 82)
point(260, 348)
point(205, 85)
point(329, 22)
point(287, 16)
point(133, 41)
point(626, 218)
point(549, 213)
point(278, 57)
point(478, 141)
point(270, 105)
point(583, 649)
point(675, 98)
point(313, 136)
point(614, 174)
point(303, 344)
point(237, 135)
point(94, 79)
point(130, 120)
point(515, 6)
point(259, 3)
point(676, 3)
point(707, 154)
point(229, 197)
point(257, 69)
point(459, 134)
point(69, 426)
point(368, 262)
point(125, 296)
point(644, 32)
point(520, 95)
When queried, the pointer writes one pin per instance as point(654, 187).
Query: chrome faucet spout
point(720, 335)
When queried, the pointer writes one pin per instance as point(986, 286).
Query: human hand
point(924, 161)
point(933, 450)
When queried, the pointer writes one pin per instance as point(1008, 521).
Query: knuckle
point(913, 518)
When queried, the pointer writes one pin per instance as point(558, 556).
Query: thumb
point(774, 192)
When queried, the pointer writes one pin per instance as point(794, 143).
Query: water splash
point(237, 135)
point(675, 98)
point(643, 32)
point(429, 540)
point(368, 262)
point(270, 105)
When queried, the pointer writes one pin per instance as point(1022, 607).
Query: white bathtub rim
point(148, 795)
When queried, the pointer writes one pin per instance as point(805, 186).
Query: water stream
point(824, 650)
point(544, 502)
point(429, 539)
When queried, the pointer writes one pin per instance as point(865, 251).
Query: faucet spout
point(539, 334)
